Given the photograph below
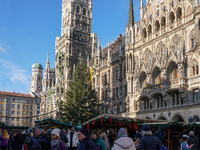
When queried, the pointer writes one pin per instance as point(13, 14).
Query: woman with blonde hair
point(4, 138)
point(105, 138)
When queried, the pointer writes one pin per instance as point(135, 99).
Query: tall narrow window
point(130, 37)
point(77, 9)
point(145, 105)
point(174, 99)
point(84, 12)
point(162, 101)
point(197, 69)
point(196, 95)
point(158, 102)
point(192, 40)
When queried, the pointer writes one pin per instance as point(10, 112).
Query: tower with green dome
point(36, 78)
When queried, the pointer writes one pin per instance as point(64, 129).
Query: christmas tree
point(81, 102)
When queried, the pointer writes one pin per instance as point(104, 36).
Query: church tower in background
point(76, 41)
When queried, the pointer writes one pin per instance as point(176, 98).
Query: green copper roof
point(37, 66)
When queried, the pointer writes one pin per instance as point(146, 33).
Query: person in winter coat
point(148, 141)
point(137, 135)
point(56, 143)
point(159, 135)
point(85, 142)
point(45, 140)
point(12, 139)
point(34, 145)
point(98, 140)
point(184, 144)
point(18, 141)
point(193, 140)
point(123, 142)
point(4, 138)
point(105, 138)
point(27, 141)
point(72, 139)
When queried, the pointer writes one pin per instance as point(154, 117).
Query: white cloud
point(3, 49)
point(16, 73)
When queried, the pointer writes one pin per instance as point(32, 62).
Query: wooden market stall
point(173, 132)
point(51, 123)
point(114, 123)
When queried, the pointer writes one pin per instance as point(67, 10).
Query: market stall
point(51, 123)
point(114, 123)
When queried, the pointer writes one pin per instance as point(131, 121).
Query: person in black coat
point(137, 135)
point(148, 141)
point(45, 140)
point(18, 141)
point(63, 136)
point(193, 140)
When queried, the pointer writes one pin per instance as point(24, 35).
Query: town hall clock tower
point(76, 41)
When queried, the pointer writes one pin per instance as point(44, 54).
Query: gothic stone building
point(151, 72)
point(162, 55)
point(109, 76)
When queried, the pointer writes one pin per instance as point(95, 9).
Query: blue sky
point(28, 29)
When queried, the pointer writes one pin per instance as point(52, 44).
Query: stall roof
point(51, 121)
point(155, 123)
point(121, 117)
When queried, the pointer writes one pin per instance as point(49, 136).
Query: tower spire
point(130, 14)
point(47, 62)
point(99, 44)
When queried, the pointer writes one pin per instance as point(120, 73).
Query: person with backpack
point(148, 140)
point(98, 140)
point(123, 142)
point(85, 142)
point(184, 144)
point(56, 143)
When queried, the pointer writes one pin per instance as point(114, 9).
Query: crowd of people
point(59, 139)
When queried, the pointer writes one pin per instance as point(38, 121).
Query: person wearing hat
point(123, 142)
point(193, 140)
point(148, 140)
point(184, 144)
point(45, 140)
point(85, 142)
point(56, 143)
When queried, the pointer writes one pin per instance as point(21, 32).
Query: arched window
point(130, 37)
point(143, 82)
point(147, 57)
point(179, 13)
point(172, 71)
point(175, 45)
point(144, 33)
point(78, 9)
point(156, 75)
point(171, 17)
point(195, 68)
point(157, 26)
point(84, 11)
point(149, 30)
point(163, 22)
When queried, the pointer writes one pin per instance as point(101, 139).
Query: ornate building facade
point(150, 72)
point(162, 55)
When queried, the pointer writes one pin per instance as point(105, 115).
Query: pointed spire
point(99, 44)
point(47, 62)
point(130, 14)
